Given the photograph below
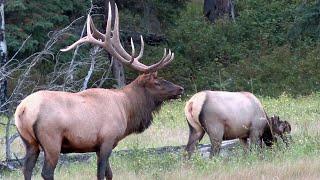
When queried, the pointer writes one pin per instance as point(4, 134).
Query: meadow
point(301, 160)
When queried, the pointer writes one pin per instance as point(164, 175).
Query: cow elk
point(230, 115)
point(93, 120)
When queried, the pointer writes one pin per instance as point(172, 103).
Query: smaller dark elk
point(230, 115)
point(93, 120)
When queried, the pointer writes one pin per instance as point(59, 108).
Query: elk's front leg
point(104, 169)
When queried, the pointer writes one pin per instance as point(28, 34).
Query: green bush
point(253, 54)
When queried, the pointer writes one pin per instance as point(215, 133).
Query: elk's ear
point(272, 119)
point(145, 77)
point(282, 127)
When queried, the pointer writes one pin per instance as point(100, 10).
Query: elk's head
point(159, 88)
point(280, 127)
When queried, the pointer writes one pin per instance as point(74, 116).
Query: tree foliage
point(271, 48)
point(253, 54)
point(307, 22)
point(38, 18)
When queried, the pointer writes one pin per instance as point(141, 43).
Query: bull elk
point(230, 115)
point(93, 120)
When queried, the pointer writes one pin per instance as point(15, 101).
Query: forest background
point(271, 48)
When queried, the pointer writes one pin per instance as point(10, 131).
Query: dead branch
point(71, 66)
point(93, 54)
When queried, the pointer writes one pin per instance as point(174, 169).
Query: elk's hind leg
point(50, 141)
point(51, 155)
point(195, 135)
point(32, 153)
point(215, 132)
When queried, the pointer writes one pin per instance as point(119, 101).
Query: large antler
point(111, 43)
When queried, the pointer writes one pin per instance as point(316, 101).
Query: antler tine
point(110, 41)
point(142, 48)
point(80, 41)
point(110, 47)
point(133, 52)
point(108, 26)
point(88, 38)
point(159, 64)
point(116, 38)
point(169, 60)
point(96, 33)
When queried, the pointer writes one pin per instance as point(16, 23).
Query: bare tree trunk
point(214, 9)
point(3, 60)
point(231, 6)
point(8, 150)
point(146, 15)
point(117, 67)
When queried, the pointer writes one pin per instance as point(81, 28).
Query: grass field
point(300, 161)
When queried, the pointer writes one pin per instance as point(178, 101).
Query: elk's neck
point(268, 136)
point(140, 108)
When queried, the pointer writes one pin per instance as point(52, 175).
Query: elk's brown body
point(229, 115)
point(94, 120)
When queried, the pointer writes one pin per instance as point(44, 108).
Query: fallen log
point(204, 149)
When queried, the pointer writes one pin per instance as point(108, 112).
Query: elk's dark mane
point(268, 136)
point(141, 106)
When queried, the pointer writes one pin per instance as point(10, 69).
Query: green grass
point(300, 161)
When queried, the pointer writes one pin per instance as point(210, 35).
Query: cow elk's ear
point(281, 128)
point(273, 120)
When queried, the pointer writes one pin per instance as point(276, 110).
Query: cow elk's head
point(280, 127)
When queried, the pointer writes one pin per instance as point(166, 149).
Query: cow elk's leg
point(30, 159)
point(255, 139)
point(194, 137)
point(104, 169)
point(244, 143)
point(215, 133)
point(285, 139)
